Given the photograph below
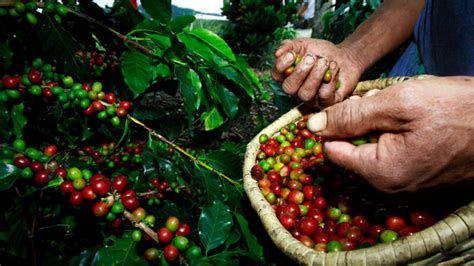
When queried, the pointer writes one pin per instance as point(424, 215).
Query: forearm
point(390, 25)
point(301, 11)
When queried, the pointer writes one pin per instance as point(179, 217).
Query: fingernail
point(322, 63)
point(317, 122)
point(308, 62)
point(332, 65)
point(289, 57)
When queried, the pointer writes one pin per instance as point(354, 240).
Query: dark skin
point(427, 134)
point(426, 126)
point(349, 59)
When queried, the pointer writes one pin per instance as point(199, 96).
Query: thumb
point(352, 118)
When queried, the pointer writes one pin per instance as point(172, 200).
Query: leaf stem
point(176, 147)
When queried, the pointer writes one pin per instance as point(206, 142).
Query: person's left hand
point(307, 79)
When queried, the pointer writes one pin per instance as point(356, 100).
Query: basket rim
point(456, 229)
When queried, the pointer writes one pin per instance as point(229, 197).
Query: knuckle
point(325, 94)
point(276, 76)
point(288, 87)
point(393, 179)
point(305, 94)
point(346, 117)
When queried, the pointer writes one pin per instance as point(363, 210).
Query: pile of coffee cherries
point(324, 207)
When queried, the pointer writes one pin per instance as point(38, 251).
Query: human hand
point(307, 79)
point(427, 135)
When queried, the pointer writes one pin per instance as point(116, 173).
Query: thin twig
point(135, 222)
point(114, 32)
point(141, 225)
point(176, 147)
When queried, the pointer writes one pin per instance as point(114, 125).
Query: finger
point(354, 97)
point(344, 89)
point(371, 93)
point(356, 118)
point(285, 46)
point(281, 64)
point(285, 61)
point(326, 96)
point(293, 82)
point(379, 163)
point(359, 159)
point(310, 86)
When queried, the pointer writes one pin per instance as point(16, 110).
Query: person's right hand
point(307, 79)
point(427, 135)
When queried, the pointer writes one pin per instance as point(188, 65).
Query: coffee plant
point(115, 148)
point(256, 26)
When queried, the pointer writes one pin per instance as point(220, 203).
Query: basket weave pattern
point(452, 236)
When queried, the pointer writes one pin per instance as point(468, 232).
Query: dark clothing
point(443, 41)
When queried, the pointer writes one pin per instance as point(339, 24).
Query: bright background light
point(205, 6)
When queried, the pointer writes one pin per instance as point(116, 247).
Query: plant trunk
point(320, 8)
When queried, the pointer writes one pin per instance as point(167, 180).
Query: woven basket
point(449, 241)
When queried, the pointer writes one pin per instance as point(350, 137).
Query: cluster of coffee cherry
point(173, 238)
point(28, 10)
point(320, 205)
point(110, 156)
point(41, 80)
point(98, 62)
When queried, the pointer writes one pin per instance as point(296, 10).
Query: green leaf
point(250, 75)
point(164, 42)
point(213, 186)
point(5, 133)
point(194, 45)
point(179, 23)
point(373, 4)
point(6, 54)
point(230, 102)
point(84, 258)
point(142, 112)
point(9, 173)
point(121, 252)
point(234, 237)
point(60, 45)
point(212, 119)
point(281, 99)
point(232, 74)
point(137, 71)
point(162, 70)
point(158, 9)
point(191, 89)
point(252, 243)
point(214, 225)
point(226, 161)
point(215, 42)
point(19, 120)
point(221, 258)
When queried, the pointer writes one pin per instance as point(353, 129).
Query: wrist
point(357, 61)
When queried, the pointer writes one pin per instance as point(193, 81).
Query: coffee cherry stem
point(152, 234)
point(143, 194)
point(111, 199)
point(4, 146)
point(176, 147)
